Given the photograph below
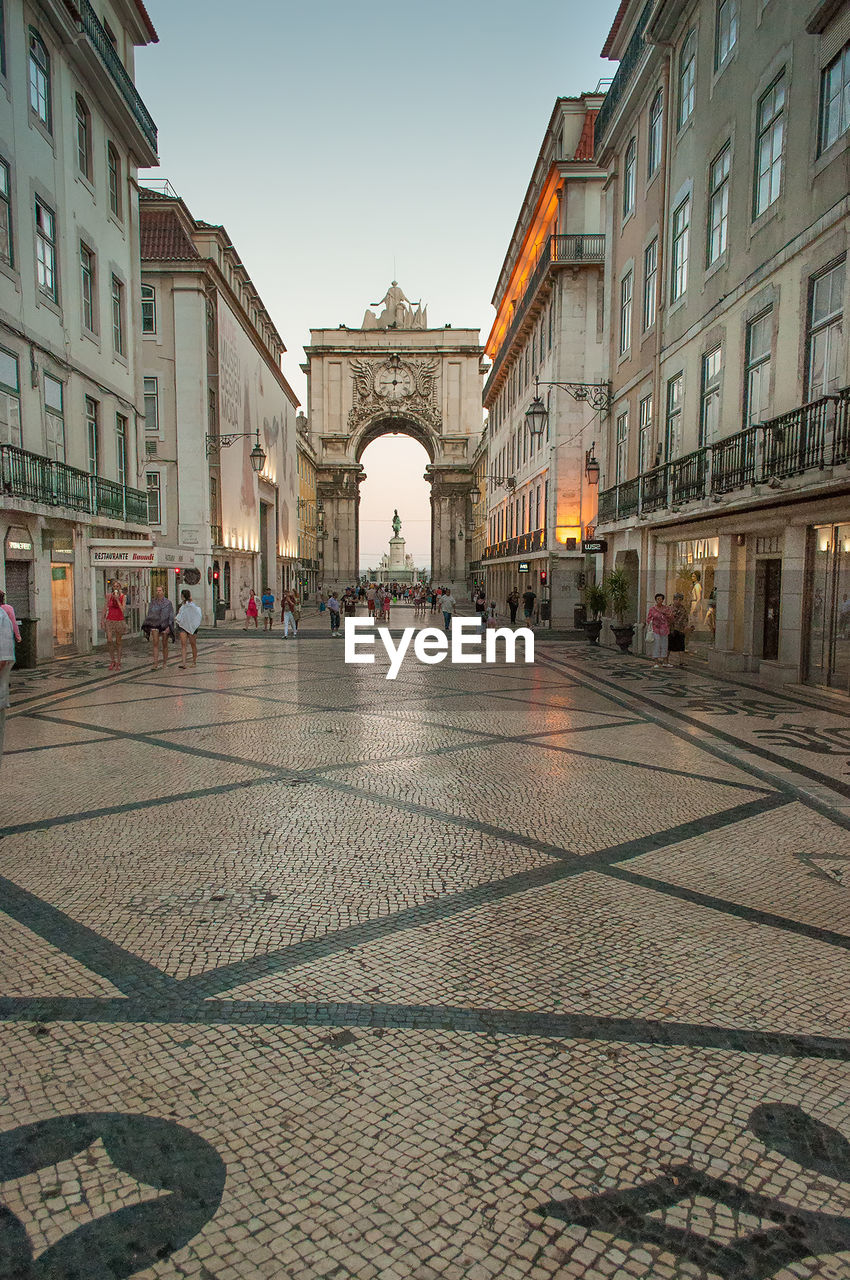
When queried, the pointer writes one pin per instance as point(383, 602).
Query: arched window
point(687, 77)
point(629, 178)
point(39, 78)
point(656, 120)
point(83, 138)
point(148, 309)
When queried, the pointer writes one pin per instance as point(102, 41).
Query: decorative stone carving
point(395, 388)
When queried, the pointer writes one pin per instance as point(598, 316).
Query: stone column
point(338, 488)
point(792, 618)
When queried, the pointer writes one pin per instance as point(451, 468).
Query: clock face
point(394, 383)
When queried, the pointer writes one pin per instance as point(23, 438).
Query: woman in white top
point(188, 620)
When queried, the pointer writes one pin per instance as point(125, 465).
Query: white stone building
point(726, 132)
point(73, 131)
point(212, 375)
point(548, 325)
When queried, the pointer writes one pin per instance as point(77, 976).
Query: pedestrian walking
point(7, 660)
point(349, 604)
point(513, 605)
point(333, 610)
point(158, 625)
point(267, 606)
point(528, 599)
point(447, 604)
point(189, 618)
point(289, 605)
point(481, 607)
point(385, 605)
point(251, 611)
point(680, 626)
point(10, 613)
point(658, 630)
point(114, 623)
point(370, 602)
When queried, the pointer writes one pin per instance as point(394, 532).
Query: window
point(770, 137)
point(687, 78)
point(5, 214)
point(83, 138)
point(154, 497)
point(45, 247)
point(757, 372)
point(210, 327)
point(92, 435)
point(626, 312)
point(835, 100)
point(10, 400)
point(121, 447)
point(718, 204)
point(653, 145)
point(673, 424)
point(54, 418)
point(118, 315)
point(87, 285)
point(726, 33)
point(644, 432)
point(622, 446)
point(629, 177)
point(151, 404)
point(113, 172)
point(825, 335)
point(39, 79)
point(650, 282)
point(709, 414)
point(148, 309)
point(681, 241)
point(212, 415)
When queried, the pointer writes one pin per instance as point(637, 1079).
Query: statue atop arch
point(396, 523)
point(397, 312)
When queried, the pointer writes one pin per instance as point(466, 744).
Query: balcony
point(557, 251)
point(39, 479)
point(122, 80)
point(811, 438)
point(520, 545)
point(216, 535)
point(625, 71)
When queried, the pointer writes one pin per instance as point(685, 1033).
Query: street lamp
point(536, 415)
point(257, 454)
point(591, 465)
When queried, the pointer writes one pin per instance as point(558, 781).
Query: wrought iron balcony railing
point(810, 438)
point(517, 546)
point(556, 251)
point(625, 71)
point(109, 57)
point(55, 484)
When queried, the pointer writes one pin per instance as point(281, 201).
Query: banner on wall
point(140, 555)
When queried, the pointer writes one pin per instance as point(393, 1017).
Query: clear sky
point(344, 143)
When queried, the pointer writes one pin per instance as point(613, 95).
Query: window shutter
point(835, 36)
point(10, 419)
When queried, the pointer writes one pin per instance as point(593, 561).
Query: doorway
point(62, 599)
point(829, 612)
point(771, 595)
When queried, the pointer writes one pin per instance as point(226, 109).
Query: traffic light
point(215, 575)
point(544, 577)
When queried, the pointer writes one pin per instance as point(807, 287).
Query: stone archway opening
point(395, 480)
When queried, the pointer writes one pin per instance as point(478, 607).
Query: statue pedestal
point(397, 555)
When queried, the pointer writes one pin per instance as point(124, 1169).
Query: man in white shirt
point(447, 604)
point(333, 610)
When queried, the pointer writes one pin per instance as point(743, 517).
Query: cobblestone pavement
point(496, 972)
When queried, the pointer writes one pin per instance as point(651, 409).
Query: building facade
point(726, 134)
point(548, 326)
point(73, 132)
point(477, 569)
point(213, 389)
point(308, 525)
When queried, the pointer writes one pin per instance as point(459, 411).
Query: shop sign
point(522, 567)
point(139, 556)
point(594, 546)
point(18, 544)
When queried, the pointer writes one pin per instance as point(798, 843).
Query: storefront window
point(691, 570)
point(829, 616)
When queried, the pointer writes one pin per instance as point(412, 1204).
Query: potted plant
point(595, 601)
point(618, 590)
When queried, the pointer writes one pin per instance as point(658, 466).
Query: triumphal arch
point(395, 375)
